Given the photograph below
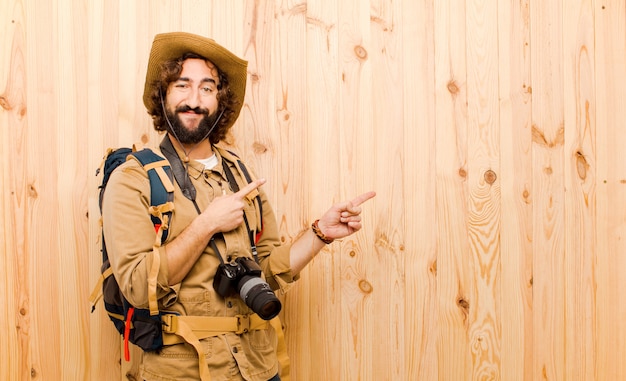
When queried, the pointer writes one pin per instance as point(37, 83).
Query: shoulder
point(129, 175)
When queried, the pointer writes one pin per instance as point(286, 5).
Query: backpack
point(142, 327)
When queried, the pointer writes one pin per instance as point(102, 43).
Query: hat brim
point(168, 46)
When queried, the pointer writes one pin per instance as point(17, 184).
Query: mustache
point(196, 110)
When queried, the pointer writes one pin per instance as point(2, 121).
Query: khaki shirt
point(130, 236)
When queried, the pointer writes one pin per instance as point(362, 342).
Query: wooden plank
point(104, 355)
point(484, 199)
point(255, 134)
point(515, 178)
point(580, 181)
point(41, 186)
point(548, 174)
point(451, 212)
point(388, 255)
point(322, 291)
point(198, 16)
point(71, 74)
point(291, 182)
point(15, 317)
point(139, 22)
point(357, 314)
point(416, 25)
point(610, 74)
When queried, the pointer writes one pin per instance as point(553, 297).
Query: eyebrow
point(204, 80)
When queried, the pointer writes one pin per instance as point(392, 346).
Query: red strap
point(258, 235)
point(131, 311)
point(156, 227)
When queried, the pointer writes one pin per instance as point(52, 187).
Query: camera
point(243, 275)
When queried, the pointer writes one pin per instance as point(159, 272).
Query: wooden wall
point(493, 132)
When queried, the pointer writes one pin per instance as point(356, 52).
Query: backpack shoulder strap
point(161, 207)
point(161, 186)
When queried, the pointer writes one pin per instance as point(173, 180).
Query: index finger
point(251, 187)
point(358, 200)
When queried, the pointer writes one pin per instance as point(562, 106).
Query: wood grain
point(493, 136)
point(580, 183)
point(549, 296)
point(516, 259)
point(610, 91)
point(451, 208)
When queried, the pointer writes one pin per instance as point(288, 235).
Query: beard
point(191, 136)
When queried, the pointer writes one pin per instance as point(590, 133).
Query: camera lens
point(259, 297)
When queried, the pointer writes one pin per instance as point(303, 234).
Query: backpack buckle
point(243, 324)
point(170, 323)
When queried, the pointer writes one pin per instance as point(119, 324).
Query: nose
point(193, 98)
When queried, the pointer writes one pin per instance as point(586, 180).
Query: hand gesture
point(344, 218)
point(225, 213)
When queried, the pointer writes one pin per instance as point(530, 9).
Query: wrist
point(319, 234)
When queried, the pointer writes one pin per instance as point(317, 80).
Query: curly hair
point(170, 72)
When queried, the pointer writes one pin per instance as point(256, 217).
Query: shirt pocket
point(196, 303)
point(260, 340)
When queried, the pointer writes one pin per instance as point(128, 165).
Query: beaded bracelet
point(319, 234)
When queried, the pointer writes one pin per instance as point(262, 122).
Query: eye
point(207, 89)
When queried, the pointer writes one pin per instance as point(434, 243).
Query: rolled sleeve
point(280, 275)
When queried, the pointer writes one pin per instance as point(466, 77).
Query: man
point(194, 91)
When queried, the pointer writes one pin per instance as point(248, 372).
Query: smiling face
point(191, 101)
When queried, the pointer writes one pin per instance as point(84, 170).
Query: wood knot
point(32, 191)
point(283, 115)
point(4, 103)
point(526, 196)
point(259, 148)
point(360, 52)
point(490, 177)
point(581, 165)
point(462, 172)
point(366, 286)
point(453, 88)
point(433, 268)
point(463, 304)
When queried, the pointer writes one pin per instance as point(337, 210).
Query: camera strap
point(189, 191)
point(235, 188)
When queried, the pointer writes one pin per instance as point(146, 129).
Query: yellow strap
point(167, 183)
point(281, 350)
point(96, 294)
point(104, 159)
point(152, 281)
point(156, 259)
point(184, 331)
point(160, 210)
point(208, 326)
point(137, 146)
point(202, 327)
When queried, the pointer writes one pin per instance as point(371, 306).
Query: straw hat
point(173, 45)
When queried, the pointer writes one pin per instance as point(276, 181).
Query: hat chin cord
point(167, 119)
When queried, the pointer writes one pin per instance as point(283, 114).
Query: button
point(206, 175)
point(229, 304)
point(235, 350)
